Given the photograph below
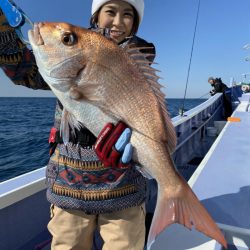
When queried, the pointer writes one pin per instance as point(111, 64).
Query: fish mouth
point(35, 36)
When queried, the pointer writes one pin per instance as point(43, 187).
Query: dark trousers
point(227, 105)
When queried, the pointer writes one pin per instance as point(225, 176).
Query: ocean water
point(24, 128)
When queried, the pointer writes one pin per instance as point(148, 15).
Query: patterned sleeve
point(16, 60)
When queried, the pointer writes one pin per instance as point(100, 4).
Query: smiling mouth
point(116, 33)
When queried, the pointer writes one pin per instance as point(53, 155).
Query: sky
point(223, 29)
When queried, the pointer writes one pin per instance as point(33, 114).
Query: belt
point(83, 137)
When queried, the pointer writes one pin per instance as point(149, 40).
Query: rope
point(190, 60)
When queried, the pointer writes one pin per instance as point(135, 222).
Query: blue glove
point(123, 145)
point(16, 17)
point(12, 13)
point(112, 146)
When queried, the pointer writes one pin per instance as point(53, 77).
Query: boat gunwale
point(23, 186)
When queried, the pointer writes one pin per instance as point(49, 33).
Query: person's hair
point(94, 19)
point(210, 79)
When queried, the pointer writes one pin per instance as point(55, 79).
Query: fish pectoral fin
point(183, 207)
point(68, 121)
point(87, 92)
point(144, 172)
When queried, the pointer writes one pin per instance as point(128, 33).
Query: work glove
point(11, 47)
point(212, 92)
point(112, 146)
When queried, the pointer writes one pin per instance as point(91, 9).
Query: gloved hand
point(112, 146)
point(11, 47)
point(212, 92)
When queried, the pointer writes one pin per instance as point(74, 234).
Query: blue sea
point(24, 128)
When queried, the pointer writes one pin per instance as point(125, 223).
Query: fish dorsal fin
point(141, 59)
point(68, 121)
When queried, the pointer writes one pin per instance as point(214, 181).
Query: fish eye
point(69, 38)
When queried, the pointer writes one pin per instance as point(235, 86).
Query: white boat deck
point(222, 183)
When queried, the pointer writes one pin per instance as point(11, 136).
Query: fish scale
point(98, 82)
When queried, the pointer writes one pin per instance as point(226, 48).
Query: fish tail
point(182, 206)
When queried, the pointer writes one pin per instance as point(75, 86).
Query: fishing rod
point(208, 93)
point(181, 110)
point(16, 17)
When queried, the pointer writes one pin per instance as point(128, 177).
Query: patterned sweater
point(76, 179)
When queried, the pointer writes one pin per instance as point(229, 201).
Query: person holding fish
point(90, 187)
point(103, 79)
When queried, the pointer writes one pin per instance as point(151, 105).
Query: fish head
point(58, 49)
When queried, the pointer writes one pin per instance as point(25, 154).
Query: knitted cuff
point(11, 47)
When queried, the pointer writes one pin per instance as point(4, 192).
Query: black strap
point(83, 137)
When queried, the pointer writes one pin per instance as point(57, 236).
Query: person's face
point(118, 16)
point(211, 81)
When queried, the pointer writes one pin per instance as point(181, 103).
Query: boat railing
point(190, 129)
point(193, 139)
point(197, 129)
point(23, 196)
point(24, 211)
point(23, 186)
